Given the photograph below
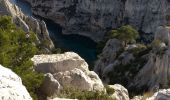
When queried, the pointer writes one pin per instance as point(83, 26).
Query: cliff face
point(27, 23)
point(93, 18)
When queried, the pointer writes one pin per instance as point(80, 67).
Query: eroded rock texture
point(93, 18)
point(11, 87)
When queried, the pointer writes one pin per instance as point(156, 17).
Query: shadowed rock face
point(93, 18)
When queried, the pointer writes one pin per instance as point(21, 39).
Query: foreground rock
point(11, 87)
point(66, 70)
point(93, 18)
point(27, 23)
point(120, 93)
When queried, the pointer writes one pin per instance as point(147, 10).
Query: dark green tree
point(16, 52)
point(126, 34)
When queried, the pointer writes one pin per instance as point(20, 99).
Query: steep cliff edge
point(93, 18)
point(11, 87)
point(27, 23)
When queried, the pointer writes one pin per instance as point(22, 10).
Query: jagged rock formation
point(146, 69)
point(11, 87)
point(111, 58)
point(27, 23)
point(155, 72)
point(66, 70)
point(93, 18)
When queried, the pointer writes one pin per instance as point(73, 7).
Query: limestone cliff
point(93, 18)
point(156, 73)
point(27, 23)
point(11, 87)
point(147, 69)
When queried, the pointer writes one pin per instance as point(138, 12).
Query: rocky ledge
point(66, 70)
point(11, 87)
point(70, 70)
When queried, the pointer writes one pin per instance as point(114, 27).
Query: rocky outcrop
point(155, 72)
point(108, 56)
point(27, 23)
point(11, 87)
point(161, 95)
point(120, 93)
point(93, 18)
point(66, 70)
point(113, 56)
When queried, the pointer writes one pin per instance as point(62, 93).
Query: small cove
point(84, 46)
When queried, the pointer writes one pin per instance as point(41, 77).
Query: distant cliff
point(93, 18)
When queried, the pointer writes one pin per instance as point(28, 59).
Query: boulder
point(120, 93)
point(59, 62)
point(69, 69)
point(77, 79)
point(11, 87)
point(50, 85)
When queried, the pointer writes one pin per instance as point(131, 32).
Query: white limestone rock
point(120, 93)
point(77, 79)
point(11, 87)
point(59, 62)
point(93, 18)
point(27, 23)
point(70, 70)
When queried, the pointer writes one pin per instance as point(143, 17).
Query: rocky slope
point(27, 23)
point(66, 70)
point(70, 70)
point(137, 67)
point(93, 18)
point(11, 87)
point(156, 71)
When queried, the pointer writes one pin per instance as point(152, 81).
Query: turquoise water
point(84, 46)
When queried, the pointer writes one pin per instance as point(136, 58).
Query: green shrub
point(126, 34)
point(16, 51)
point(83, 95)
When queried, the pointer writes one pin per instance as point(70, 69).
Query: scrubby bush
point(16, 51)
point(73, 93)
